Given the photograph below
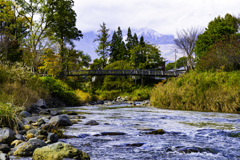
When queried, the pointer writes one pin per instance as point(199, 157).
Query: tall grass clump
point(19, 86)
point(8, 116)
point(200, 91)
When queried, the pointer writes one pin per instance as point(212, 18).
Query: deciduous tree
point(185, 41)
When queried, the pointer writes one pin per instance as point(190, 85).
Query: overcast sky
point(164, 16)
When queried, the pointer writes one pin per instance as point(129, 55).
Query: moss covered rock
point(58, 151)
point(159, 131)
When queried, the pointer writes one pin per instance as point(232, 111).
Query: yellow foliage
point(83, 96)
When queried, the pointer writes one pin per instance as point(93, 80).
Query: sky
point(164, 16)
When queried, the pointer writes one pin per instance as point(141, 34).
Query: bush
point(83, 96)
point(61, 90)
point(200, 91)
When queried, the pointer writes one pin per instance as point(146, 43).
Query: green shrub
point(58, 88)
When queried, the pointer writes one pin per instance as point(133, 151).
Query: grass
point(200, 91)
point(8, 116)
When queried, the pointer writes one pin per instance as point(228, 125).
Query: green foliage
point(170, 66)
point(200, 91)
point(123, 83)
point(223, 55)
point(217, 28)
point(140, 94)
point(117, 47)
point(63, 25)
point(58, 88)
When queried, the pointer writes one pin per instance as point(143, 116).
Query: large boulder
point(7, 136)
point(33, 109)
point(41, 103)
point(27, 148)
point(59, 151)
point(60, 120)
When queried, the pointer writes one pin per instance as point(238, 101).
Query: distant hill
point(165, 42)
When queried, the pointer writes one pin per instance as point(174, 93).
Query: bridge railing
point(125, 72)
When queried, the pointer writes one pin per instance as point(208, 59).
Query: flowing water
point(189, 135)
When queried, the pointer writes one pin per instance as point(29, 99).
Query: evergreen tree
point(129, 40)
point(117, 48)
point(104, 44)
point(135, 40)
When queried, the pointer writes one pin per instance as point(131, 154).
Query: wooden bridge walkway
point(152, 73)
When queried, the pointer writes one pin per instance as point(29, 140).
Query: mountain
point(165, 42)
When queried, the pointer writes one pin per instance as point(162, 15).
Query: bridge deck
point(125, 72)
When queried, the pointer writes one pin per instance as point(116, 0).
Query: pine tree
point(129, 40)
point(117, 48)
point(104, 44)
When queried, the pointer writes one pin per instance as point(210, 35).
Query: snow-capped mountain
point(165, 42)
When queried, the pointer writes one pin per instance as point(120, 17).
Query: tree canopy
point(217, 30)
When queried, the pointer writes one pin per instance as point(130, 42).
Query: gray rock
point(7, 136)
point(20, 137)
point(4, 148)
point(44, 112)
point(100, 102)
point(54, 113)
point(25, 114)
point(45, 119)
point(22, 132)
point(27, 148)
point(4, 156)
point(30, 120)
point(41, 103)
point(60, 120)
point(33, 109)
point(52, 137)
point(91, 123)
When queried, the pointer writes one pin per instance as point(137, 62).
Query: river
point(189, 135)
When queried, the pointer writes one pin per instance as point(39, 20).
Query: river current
point(188, 135)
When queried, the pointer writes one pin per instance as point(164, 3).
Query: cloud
point(164, 16)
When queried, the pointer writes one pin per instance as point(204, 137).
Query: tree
point(34, 15)
point(129, 40)
point(117, 47)
point(223, 55)
point(217, 29)
point(63, 26)
point(186, 40)
point(123, 83)
point(104, 44)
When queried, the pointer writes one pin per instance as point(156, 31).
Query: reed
point(200, 91)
